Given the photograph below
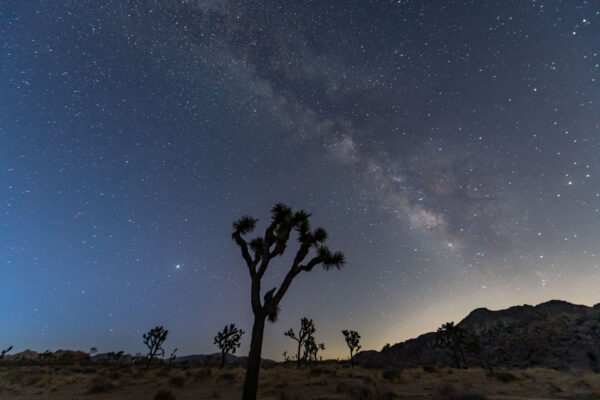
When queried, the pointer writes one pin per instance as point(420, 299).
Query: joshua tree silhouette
point(264, 249)
point(228, 340)
point(154, 340)
point(311, 348)
point(352, 340)
point(452, 336)
point(307, 328)
point(173, 355)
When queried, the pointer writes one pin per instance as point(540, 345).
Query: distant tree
point(285, 356)
point(173, 355)
point(353, 342)
point(452, 337)
point(307, 328)
point(93, 350)
point(311, 349)
point(228, 340)
point(386, 348)
point(266, 248)
point(154, 340)
point(5, 351)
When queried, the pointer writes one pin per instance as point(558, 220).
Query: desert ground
point(287, 382)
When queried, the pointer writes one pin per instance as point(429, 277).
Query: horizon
point(449, 149)
point(341, 357)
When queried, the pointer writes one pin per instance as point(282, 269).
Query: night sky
point(450, 148)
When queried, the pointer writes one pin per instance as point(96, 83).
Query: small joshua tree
point(307, 328)
point(5, 351)
point(93, 350)
point(352, 340)
point(311, 349)
point(228, 340)
point(173, 355)
point(452, 337)
point(259, 253)
point(154, 340)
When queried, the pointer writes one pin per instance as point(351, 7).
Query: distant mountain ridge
point(555, 334)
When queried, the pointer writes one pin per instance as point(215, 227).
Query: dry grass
point(286, 382)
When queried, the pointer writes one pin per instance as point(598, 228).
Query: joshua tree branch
point(237, 236)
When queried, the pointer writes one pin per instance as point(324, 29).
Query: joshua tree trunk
point(351, 361)
point(253, 367)
point(223, 355)
point(298, 356)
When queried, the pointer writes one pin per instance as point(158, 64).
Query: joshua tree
point(307, 328)
point(352, 340)
point(3, 352)
point(259, 253)
point(311, 348)
point(154, 340)
point(452, 336)
point(93, 350)
point(173, 355)
point(386, 348)
point(228, 340)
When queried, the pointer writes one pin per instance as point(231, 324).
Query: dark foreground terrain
point(328, 380)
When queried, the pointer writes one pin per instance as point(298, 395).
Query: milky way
point(451, 150)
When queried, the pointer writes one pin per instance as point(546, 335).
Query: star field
point(451, 150)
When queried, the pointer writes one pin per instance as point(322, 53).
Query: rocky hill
point(556, 334)
point(57, 357)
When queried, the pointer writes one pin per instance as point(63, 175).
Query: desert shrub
point(470, 396)
point(430, 369)
point(505, 377)
point(177, 381)
point(202, 374)
point(363, 392)
point(392, 375)
point(367, 380)
point(32, 379)
point(227, 376)
point(318, 371)
point(114, 375)
point(164, 395)
point(446, 390)
point(100, 385)
point(284, 395)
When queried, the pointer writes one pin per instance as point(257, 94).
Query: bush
point(430, 369)
point(177, 381)
point(391, 375)
point(227, 376)
point(100, 385)
point(164, 395)
point(471, 396)
point(202, 374)
point(505, 377)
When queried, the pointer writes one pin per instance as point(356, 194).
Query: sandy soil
point(326, 381)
